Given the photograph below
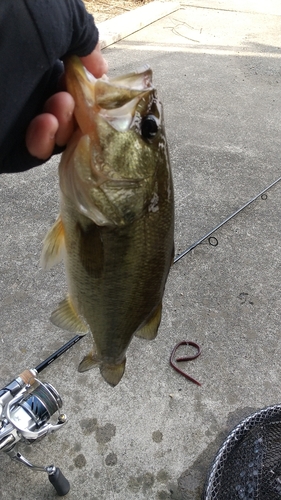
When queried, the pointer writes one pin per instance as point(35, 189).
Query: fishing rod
point(39, 368)
point(207, 235)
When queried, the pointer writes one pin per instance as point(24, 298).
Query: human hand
point(56, 124)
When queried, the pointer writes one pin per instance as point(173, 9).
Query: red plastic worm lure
point(185, 358)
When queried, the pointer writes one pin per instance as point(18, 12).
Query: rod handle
point(59, 482)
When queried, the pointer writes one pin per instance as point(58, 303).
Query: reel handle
point(59, 482)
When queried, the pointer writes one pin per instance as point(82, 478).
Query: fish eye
point(149, 127)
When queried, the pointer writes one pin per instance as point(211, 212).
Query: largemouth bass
point(115, 230)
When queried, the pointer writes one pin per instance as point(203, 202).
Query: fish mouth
point(114, 101)
point(101, 180)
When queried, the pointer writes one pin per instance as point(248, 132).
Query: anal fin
point(88, 362)
point(66, 317)
point(53, 245)
point(149, 330)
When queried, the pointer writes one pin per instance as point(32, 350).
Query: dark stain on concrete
point(80, 461)
point(144, 482)
point(76, 447)
point(105, 433)
point(171, 493)
point(192, 481)
point(88, 425)
point(111, 459)
point(236, 416)
point(174, 491)
point(162, 476)
point(157, 436)
point(163, 495)
point(78, 397)
point(147, 481)
point(134, 484)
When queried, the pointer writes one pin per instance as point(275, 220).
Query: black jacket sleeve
point(34, 36)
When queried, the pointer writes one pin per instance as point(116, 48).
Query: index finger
point(95, 62)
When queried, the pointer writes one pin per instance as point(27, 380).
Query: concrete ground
point(217, 69)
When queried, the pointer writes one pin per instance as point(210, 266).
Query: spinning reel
point(26, 407)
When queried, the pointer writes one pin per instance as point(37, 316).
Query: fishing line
point(213, 241)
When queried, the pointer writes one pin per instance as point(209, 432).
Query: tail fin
point(112, 374)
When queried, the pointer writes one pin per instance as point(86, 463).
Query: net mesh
point(248, 464)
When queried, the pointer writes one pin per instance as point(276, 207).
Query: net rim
point(233, 439)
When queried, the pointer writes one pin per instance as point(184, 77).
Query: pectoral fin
point(53, 245)
point(66, 317)
point(91, 249)
point(149, 330)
